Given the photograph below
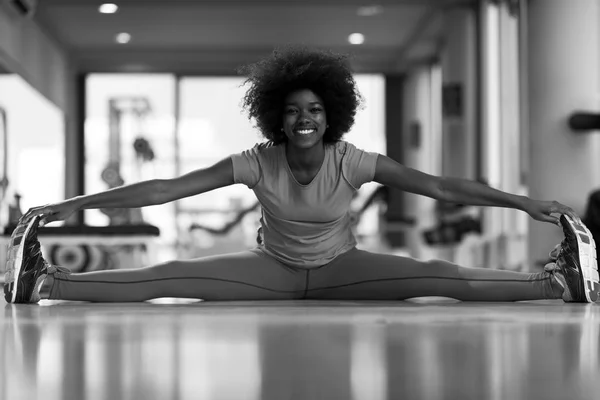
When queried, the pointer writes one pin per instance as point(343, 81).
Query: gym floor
point(420, 349)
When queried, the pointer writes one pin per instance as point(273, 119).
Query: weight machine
point(140, 108)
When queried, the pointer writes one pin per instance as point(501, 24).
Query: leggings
point(254, 275)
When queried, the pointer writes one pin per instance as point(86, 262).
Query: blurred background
point(97, 95)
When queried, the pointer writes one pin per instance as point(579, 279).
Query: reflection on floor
point(422, 349)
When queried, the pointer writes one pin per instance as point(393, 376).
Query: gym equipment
point(582, 121)
point(140, 108)
point(83, 248)
point(455, 221)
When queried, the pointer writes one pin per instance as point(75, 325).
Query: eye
point(316, 110)
point(290, 111)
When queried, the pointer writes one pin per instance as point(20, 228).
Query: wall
point(29, 114)
point(27, 50)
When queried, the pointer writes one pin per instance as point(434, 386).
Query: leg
point(360, 275)
point(249, 275)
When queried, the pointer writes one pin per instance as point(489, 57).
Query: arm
point(146, 193)
point(197, 182)
point(161, 191)
point(389, 172)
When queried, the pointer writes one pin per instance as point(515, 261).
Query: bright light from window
point(369, 11)
point(108, 8)
point(356, 38)
point(123, 38)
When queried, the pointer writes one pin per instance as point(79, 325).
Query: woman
point(304, 177)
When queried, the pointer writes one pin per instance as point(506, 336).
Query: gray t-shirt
point(305, 225)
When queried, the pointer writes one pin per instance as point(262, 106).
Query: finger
point(550, 219)
point(571, 213)
point(45, 221)
point(558, 208)
point(43, 218)
point(49, 218)
point(46, 212)
point(32, 215)
point(25, 216)
point(574, 217)
point(32, 212)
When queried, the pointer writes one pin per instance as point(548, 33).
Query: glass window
point(34, 129)
point(213, 126)
point(183, 125)
point(129, 137)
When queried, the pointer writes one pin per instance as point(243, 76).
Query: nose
point(303, 118)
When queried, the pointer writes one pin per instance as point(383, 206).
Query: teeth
point(305, 131)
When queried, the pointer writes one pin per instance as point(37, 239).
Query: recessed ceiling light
point(369, 11)
point(123, 37)
point(356, 38)
point(108, 8)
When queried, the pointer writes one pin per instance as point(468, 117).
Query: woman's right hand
point(52, 212)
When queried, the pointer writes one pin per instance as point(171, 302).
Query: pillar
point(422, 139)
point(459, 81)
point(563, 71)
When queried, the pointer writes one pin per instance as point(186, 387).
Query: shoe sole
point(17, 262)
point(588, 265)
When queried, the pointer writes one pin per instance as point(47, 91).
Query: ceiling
point(216, 36)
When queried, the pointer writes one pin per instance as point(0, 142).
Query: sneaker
point(576, 268)
point(554, 253)
point(26, 269)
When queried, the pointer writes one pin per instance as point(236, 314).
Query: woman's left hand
point(542, 210)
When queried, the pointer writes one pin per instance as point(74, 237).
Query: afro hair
point(294, 68)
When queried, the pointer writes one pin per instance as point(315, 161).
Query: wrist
point(78, 201)
point(523, 203)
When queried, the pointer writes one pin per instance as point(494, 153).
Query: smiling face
point(304, 119)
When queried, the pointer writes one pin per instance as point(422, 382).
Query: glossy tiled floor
point(434, 349)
